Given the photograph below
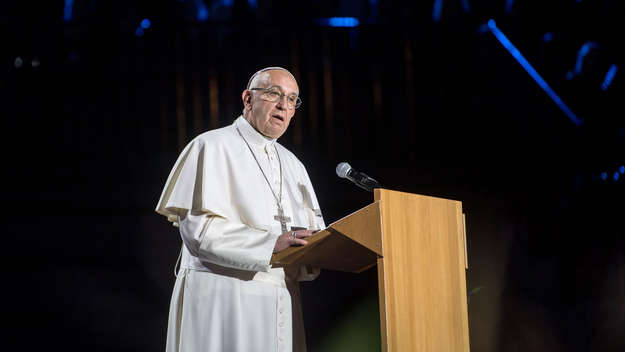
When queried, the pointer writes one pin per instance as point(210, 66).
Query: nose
point(282, 103)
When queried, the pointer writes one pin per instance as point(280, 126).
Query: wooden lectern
point(419, 245)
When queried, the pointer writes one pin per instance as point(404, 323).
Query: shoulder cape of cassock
point(216, 174)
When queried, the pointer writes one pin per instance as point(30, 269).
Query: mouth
point(279, 117)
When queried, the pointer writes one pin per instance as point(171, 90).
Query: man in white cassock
point(237, 197)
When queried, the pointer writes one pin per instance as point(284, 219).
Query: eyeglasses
point(274, 94)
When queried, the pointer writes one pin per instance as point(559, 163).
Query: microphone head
point(342, 169)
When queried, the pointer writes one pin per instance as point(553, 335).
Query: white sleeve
point(227, 243)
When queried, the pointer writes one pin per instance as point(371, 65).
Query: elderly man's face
point(270, 118)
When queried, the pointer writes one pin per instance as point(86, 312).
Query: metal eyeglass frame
point(297, 104)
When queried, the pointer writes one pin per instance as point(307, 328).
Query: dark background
point(96, 110)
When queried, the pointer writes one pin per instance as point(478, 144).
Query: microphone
point(344, 170)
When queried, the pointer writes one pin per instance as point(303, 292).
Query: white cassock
point(227, 297)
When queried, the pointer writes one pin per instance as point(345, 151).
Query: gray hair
point(268, 69)
point(273, 68)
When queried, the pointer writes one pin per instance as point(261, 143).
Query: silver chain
point(279, 200)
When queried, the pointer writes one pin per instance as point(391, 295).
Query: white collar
point(251, 135)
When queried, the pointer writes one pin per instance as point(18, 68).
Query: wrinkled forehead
point(274, 76)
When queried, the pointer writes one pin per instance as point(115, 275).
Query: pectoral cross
point(283, 219)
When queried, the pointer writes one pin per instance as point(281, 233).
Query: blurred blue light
point(616, 176)
point(343, 22)
point(253, 3)
point(202, 11)
point(437, 10)
point(532, 72)
point(609, 77)
point(67, 11)
point(509, 5)
point(604, 175)
point(139, 32)
point(622, 169)
point(202, 14)
point(227, 2)
point(547, 37)
point(373, 8)
point(339, 22)
point(145, 23)
point(483, 28)
point(581, 54)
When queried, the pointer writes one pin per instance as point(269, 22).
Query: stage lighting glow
point(616, 176)
point(253, 3)
point(509, 5)
point(609, 77)
point(373, 8)
point(437, 10)
point(343, 22)
point(202, 14)
point(139, 32)
point(581, 54)
point(532, 72)
point(145, 23)
point(67, 11)
point(604, 175)
point(35, 63)
point(622, 169)
point(547, 37)
point(339, 22)
point(18, 62)
point(483, 28)
point(202, 11)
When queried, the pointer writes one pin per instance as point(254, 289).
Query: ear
point(246, 97)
